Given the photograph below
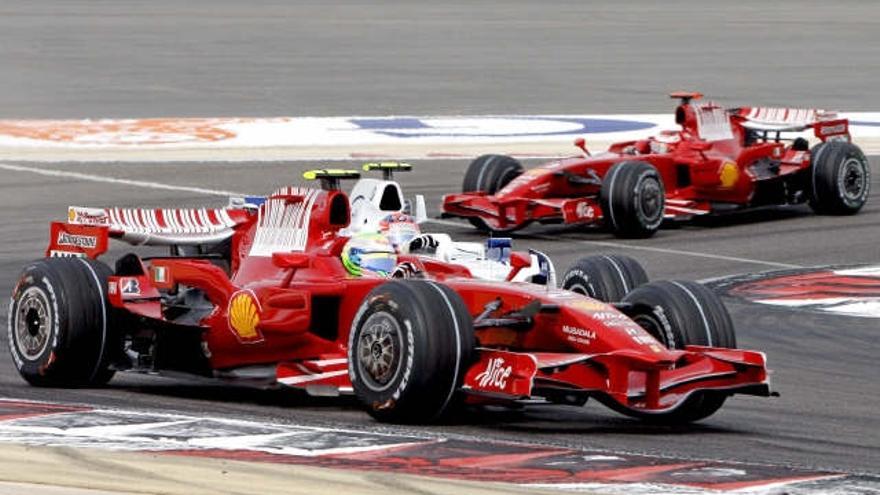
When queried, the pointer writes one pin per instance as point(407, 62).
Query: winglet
point(330, 177)
point(387, 168)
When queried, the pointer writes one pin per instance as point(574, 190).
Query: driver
point(399, 229)
point(369, 254)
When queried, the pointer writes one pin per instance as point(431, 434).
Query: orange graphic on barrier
point(122, 132)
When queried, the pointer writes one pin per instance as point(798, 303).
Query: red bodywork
point(718, 161)
point(282, 302)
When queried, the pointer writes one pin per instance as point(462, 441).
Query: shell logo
point(729, 174)
point(244, 316)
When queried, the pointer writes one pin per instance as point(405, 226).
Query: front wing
point(510, 214)
point(626, 378)
point(504, 214)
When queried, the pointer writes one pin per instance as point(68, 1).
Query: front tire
point(409, 347)
point(633, 199)
point(681, 313)
point(489, 174)
point(607, 278)
point(61, 333)
point(841, 178)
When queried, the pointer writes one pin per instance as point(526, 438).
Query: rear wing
point(88, 230)
point(86, 241)
point(825, 125)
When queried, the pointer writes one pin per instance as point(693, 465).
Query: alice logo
point(244, 316)
point(495, 374)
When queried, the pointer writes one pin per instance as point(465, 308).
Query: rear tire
point(841, 178)
point(681, 313)
point(607, 278)
point(633, 199)
point(61, 330)
point(489, 174)
point(410, 345)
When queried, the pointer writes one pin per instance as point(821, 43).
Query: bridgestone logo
point(80, 241)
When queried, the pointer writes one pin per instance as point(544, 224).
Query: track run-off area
point(166, 104)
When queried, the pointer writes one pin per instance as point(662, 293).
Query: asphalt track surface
point(825, 367)
point(167, 58)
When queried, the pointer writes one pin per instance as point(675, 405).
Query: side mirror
point(582, 144)
point(518, 261)
point(291, 260)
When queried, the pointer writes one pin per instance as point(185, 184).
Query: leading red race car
point(720, 160)
point(259, 294)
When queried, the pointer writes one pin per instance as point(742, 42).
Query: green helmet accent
point(350, 265)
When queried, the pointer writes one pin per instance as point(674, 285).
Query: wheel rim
point(33, 320)
point(650, 201)
point(379, 351)
point(852, 179)
point(653, 326)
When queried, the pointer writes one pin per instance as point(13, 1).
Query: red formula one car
point(260, 294)
point(720, 160)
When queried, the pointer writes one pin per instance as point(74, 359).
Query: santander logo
point(495, 374)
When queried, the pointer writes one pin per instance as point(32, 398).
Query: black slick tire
point(489, 174)
point(61, 330)
point(633, 199)
point(840, 178)
point(680, 313)
point(607, 278)
point(409, 347)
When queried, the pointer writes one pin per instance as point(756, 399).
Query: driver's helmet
point(369, 253)
point(399, 229)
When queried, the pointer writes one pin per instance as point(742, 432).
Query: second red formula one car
point(274, 294)
point(720, 160)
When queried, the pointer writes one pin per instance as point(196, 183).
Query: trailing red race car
point(273, 294)
point(720, 160)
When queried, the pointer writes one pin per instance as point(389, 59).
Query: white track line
point(695, 254)
point(112, 180)
point(620, 245)
point(214, 192)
